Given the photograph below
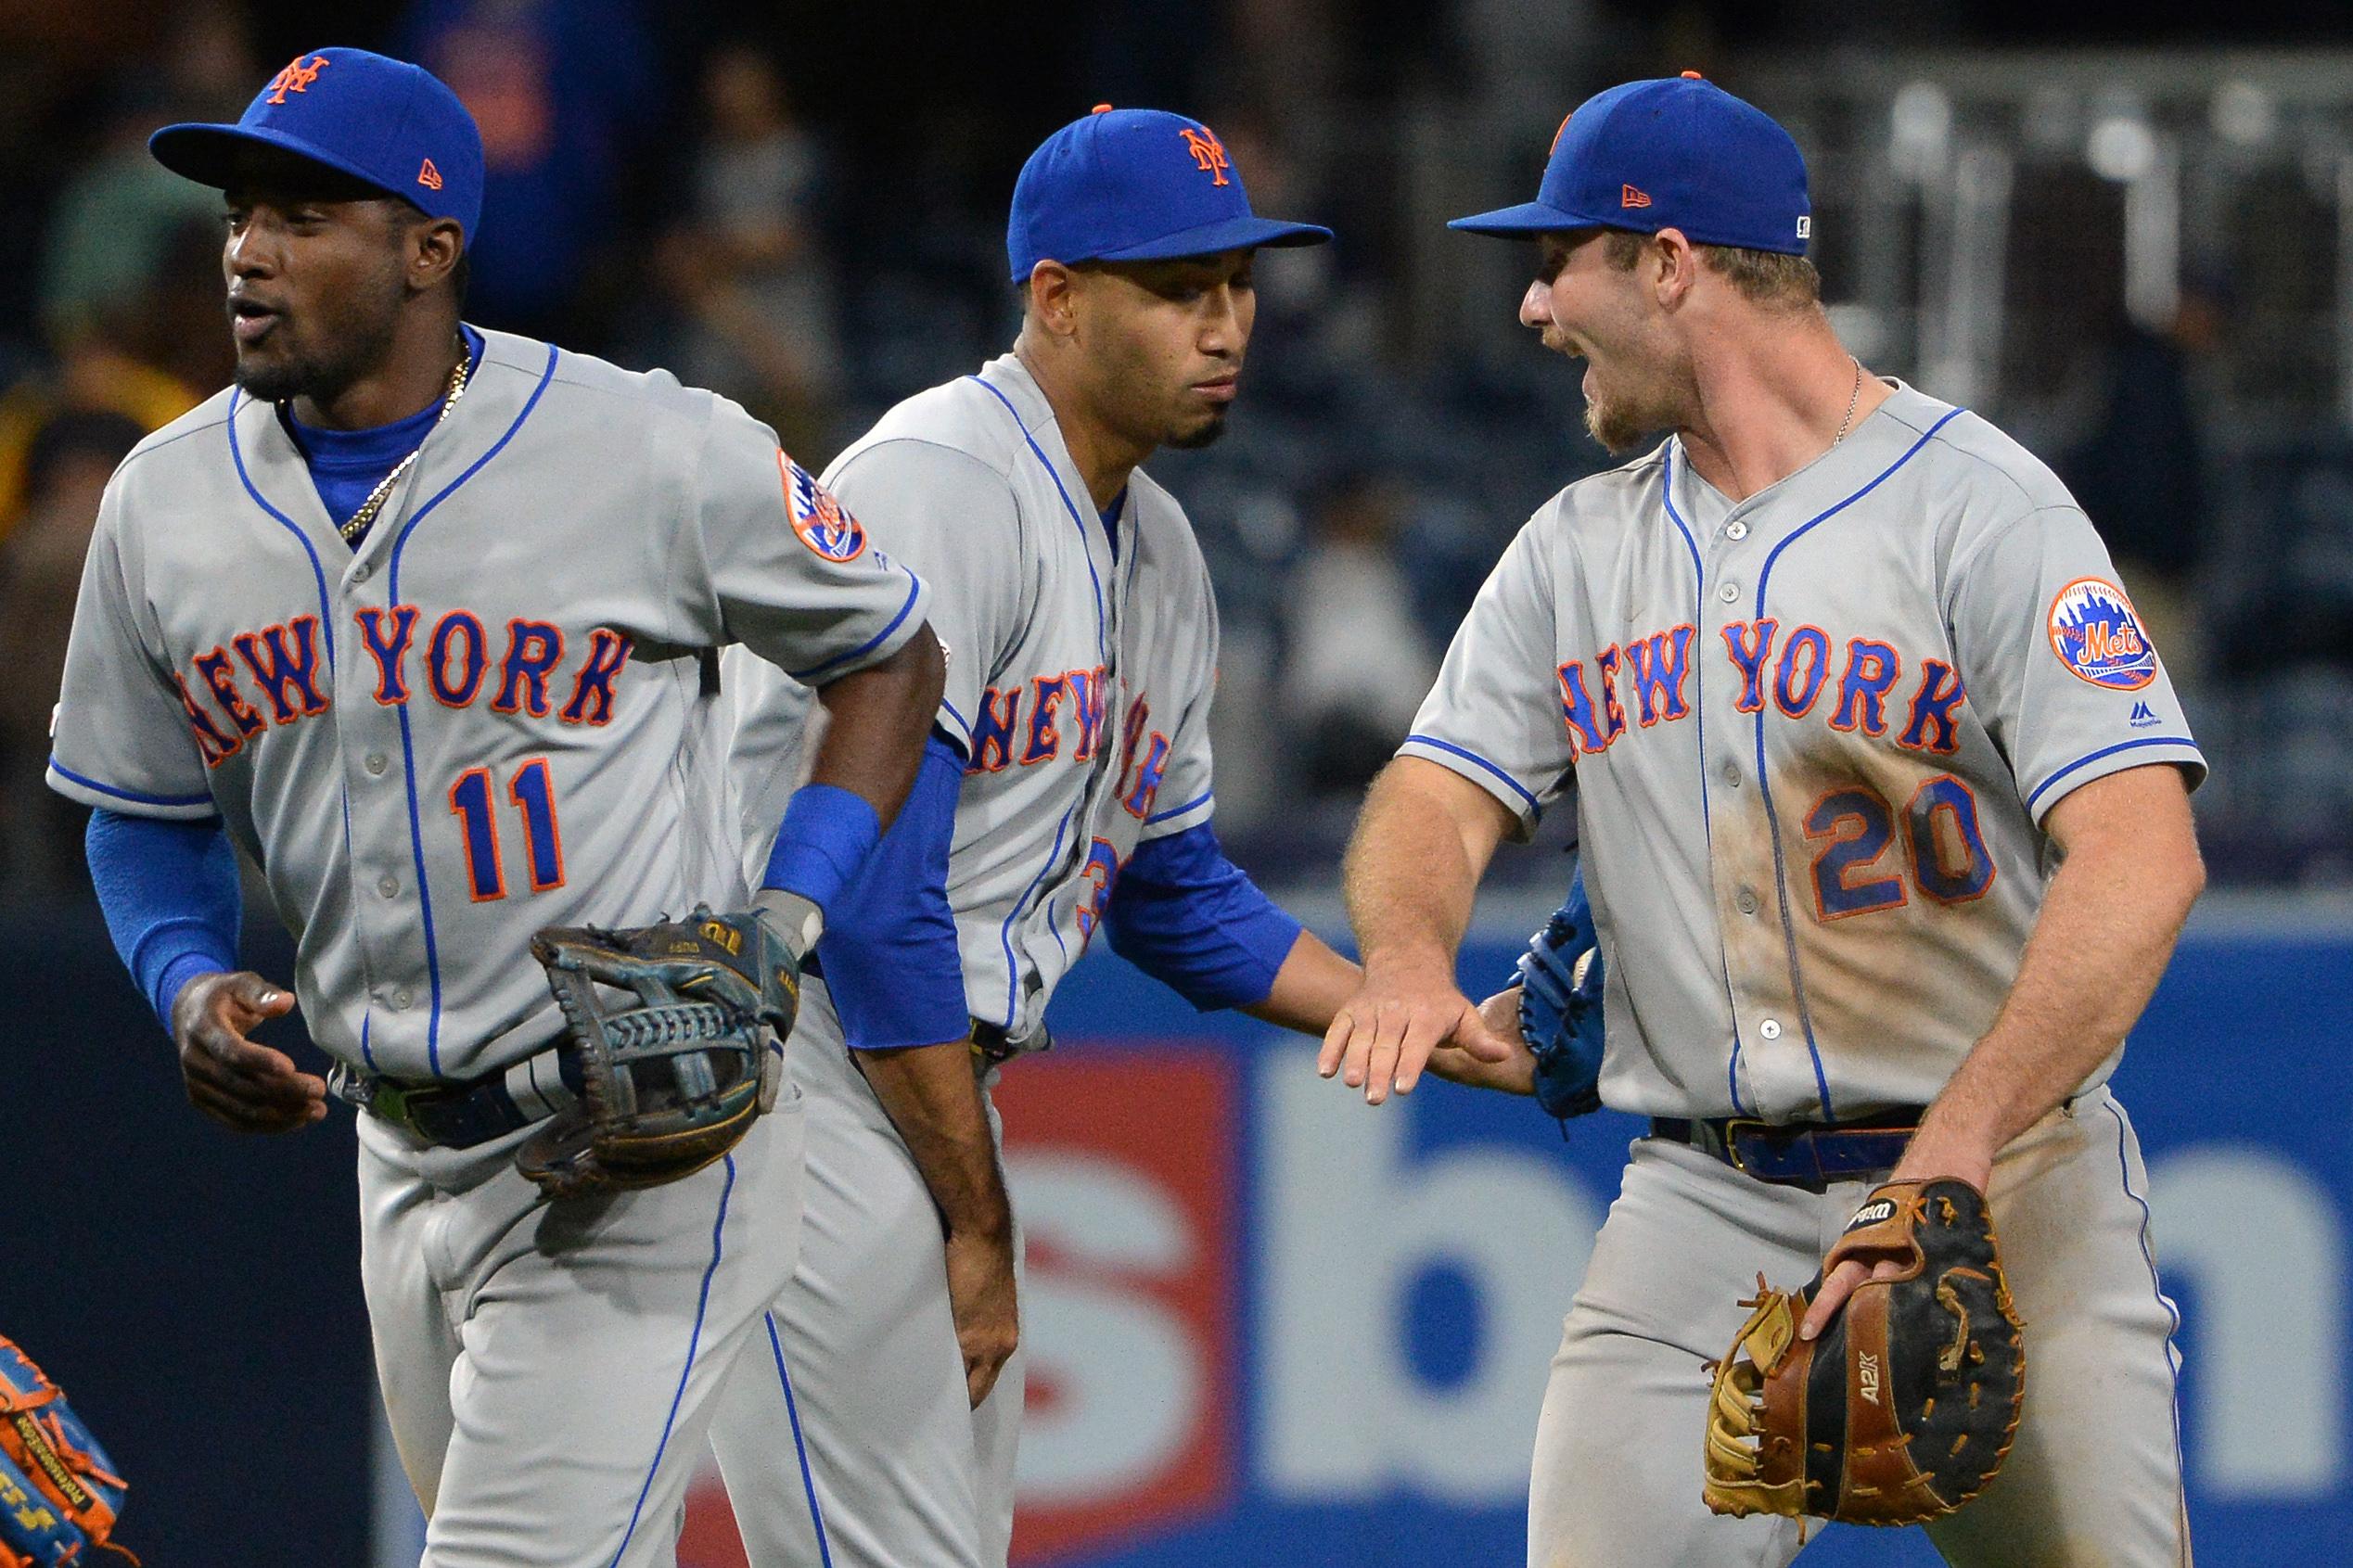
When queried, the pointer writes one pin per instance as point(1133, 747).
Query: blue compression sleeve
point(1188, 917)
point(826, 835)
point(889, 948)
point(171, 897)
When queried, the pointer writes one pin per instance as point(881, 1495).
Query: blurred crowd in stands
point(804, 211)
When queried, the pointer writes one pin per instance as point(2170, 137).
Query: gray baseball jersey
point(1813, 737)
point(1078, 674)
point(494, 715)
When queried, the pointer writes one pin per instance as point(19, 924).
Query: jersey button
point(1736, 530)
point(388, 886)
point(361, 572)
point(1731, 774)
point(376, 762)
point(1770, 1029)
point(400, 999)
point(1747, 903)
point(1728, 593)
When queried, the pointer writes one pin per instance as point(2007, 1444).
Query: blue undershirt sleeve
point(172, 900)
point(890, 948)
point(1190, 918)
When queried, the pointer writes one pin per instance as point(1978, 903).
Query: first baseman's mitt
point(671, 1083)
point(1560, 1007)
point(58, 1491)
point(1903, 1408)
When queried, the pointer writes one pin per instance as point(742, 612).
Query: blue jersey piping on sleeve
point(2041, 789)
point(1449, 746)
point(131, 795)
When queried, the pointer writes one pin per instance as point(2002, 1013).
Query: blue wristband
point(826, 835)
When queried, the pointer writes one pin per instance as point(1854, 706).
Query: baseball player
point(1883, 800)
point(1067, 796)
point(423, 620)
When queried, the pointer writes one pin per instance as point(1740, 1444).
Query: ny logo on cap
point(1209, 154)
point(297, 77)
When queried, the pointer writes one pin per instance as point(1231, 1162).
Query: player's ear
point(1053, 299)
point(1672, 266)
point(434, 249)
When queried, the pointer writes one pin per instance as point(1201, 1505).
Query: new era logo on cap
point(1628, 197)
point(428, 176)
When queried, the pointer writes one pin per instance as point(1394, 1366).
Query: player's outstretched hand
point(980, 1293)
point(245, 1087)
point(1381, 1037)
point(1514, 1075)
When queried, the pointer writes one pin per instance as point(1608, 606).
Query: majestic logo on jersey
point(1209, 154)
point(2097, 636)
point(821, 522)
point(297, 77)
point(284, 665)
point(2143, 718)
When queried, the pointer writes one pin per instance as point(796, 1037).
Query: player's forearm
point(932, 1098)
point(1414, 865)
point(2106, 931)
point(1309, 987)
point(876, 722)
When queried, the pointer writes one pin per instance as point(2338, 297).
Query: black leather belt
point(460, 1113)
point(1807, 1154)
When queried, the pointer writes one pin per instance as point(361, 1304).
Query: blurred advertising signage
point(1124, 1164)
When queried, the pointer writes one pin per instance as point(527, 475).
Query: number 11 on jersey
point(532, 793)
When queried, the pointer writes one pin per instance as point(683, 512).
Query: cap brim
point(1233, 234)
point(1528, 217)
point(208, 154)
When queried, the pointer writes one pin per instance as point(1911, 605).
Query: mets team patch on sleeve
point(822, 522)
point(2099, 639)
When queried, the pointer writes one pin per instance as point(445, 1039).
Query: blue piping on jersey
point(2104, 751)
point(1474, 756)
point(694, 1339)
point(1102, 638)
point(1781, 866)
point(2172, 1313)
point(408, 747)
point(1005, 934)
point(132, 794)
point(326, 624)
point(962, 722)
point(915, 589)
point(1699, 718)
point(1201, 799)
point(792, 1414)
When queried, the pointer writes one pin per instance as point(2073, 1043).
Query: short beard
point(360, 345)
point(279, 380)
point(1201, 436)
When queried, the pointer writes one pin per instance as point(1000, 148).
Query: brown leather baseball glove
point(1902, 1409)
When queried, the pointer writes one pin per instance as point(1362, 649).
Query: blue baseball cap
point(1676, 153)
point(1136, 185)
point(383, 122)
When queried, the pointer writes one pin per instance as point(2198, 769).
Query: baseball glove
point(60, 1493)
point(1902, 1409)
point(1560, 1007)
point(669, 1084)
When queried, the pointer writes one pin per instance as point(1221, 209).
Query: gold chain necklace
point(1852, 398)
point(356, 526)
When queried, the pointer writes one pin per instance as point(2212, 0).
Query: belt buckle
point(1733, 1126)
